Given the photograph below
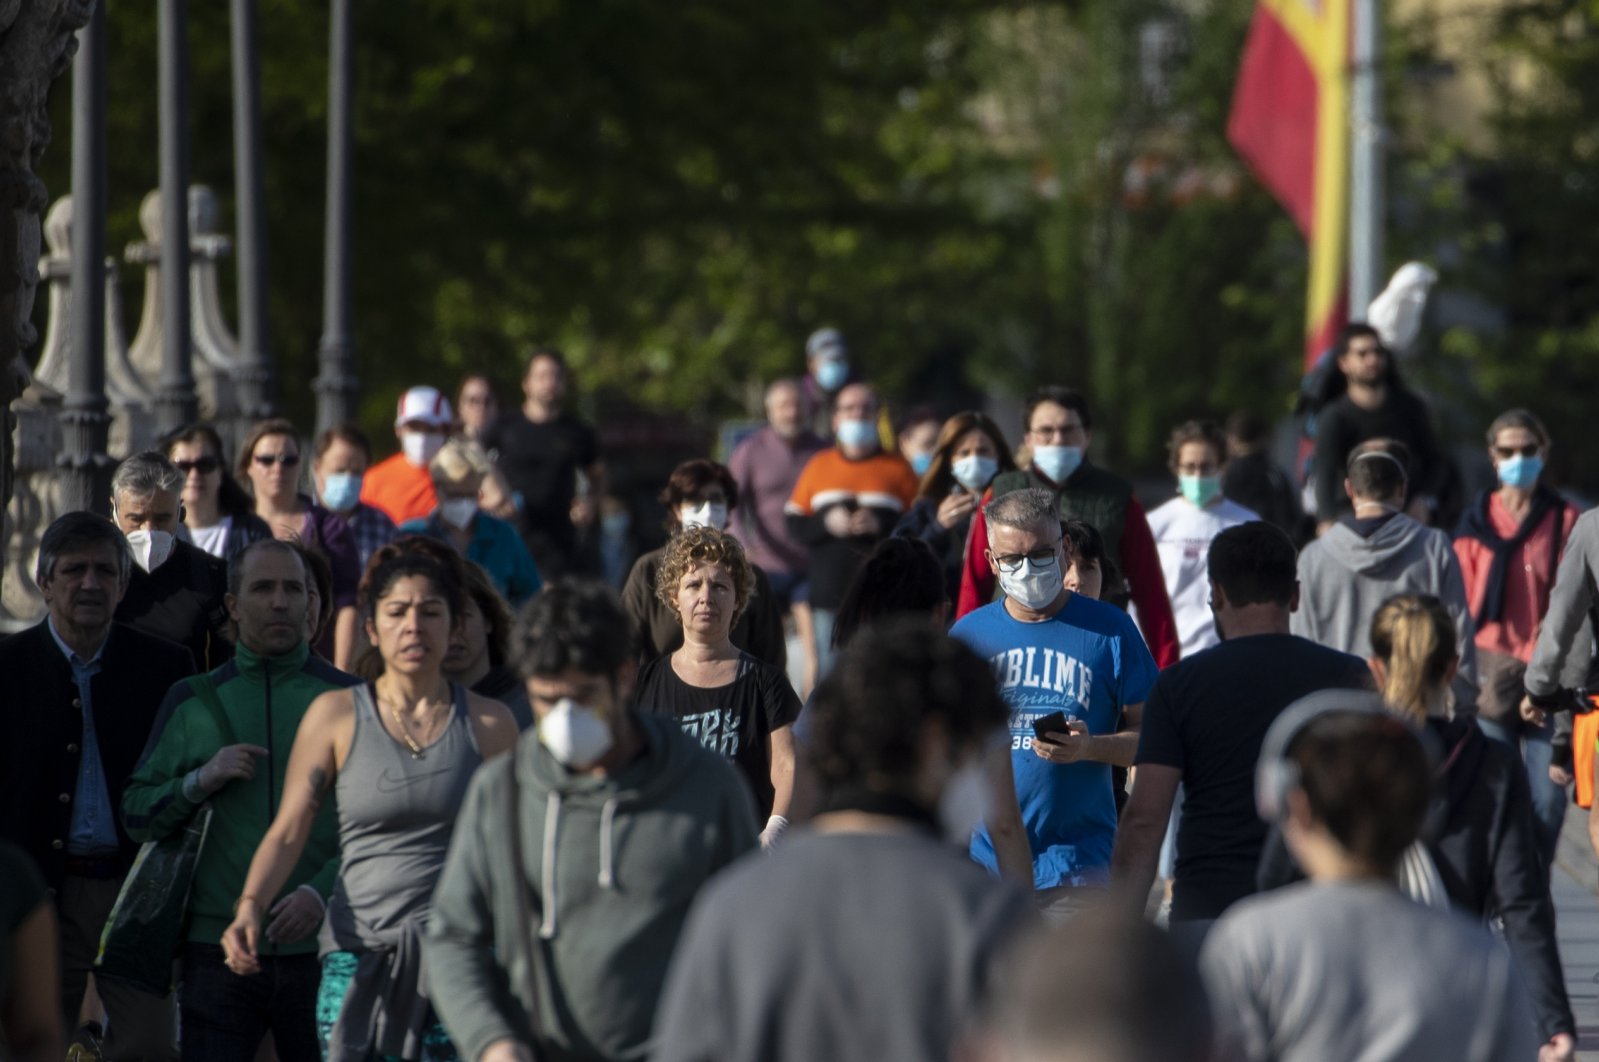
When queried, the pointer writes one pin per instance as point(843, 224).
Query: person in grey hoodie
point(1375, 553)
point(575, 859)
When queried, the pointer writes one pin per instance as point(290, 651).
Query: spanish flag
point(1290, 122)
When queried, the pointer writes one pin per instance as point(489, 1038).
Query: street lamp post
point(176, 403)
point(253, 377)
point(336, 384)
point(1366, 177)
point(85, 422)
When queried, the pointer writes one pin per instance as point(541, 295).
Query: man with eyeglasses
point(1075, 673)
point(1059, 433)
point(1375, 405)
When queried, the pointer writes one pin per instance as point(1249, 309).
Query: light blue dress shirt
point(94, 826)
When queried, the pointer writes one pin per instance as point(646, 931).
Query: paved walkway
point(1575, 884)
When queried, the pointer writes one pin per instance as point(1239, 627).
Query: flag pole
point(1366, 177)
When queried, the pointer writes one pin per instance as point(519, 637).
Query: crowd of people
point(1054, 776)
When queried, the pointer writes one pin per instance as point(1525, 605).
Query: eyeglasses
point(1011, 563)
point(268, 460)
point(203, 465)
point(1054, 431)
point(1507, 452)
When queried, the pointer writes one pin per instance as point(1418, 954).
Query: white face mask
point(150, 548)
point(974, 471)
point(420, 447)
point(710, 514)
point(576, 736)
point(458, 512)
point(963, 805)
point(1034, 586)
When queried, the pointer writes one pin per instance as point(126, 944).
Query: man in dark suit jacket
point(81, 695)
point(175, 589)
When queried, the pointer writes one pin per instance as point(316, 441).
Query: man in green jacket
point(225, 737)
point(625, 812)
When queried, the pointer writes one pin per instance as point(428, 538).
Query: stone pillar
point(216, 352)
point(176, 403)
point(336, 385)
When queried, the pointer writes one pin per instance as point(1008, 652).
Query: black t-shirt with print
point(734, 720)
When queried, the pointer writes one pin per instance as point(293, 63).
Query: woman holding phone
point(969, 453)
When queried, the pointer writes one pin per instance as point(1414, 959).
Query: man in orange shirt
point(847, 499)
point(400, 485)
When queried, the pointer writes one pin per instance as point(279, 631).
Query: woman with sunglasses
point(218, 514)
point(269, 461)
point(969, 453)
point(1509, 544)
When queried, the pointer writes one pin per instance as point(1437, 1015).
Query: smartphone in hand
point(1047, 726)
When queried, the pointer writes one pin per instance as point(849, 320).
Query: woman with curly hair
point(735, 704)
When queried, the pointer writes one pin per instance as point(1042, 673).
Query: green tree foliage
point(1522, 231)
point(678, 193)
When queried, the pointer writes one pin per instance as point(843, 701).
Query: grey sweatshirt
point(840, 946)
point(1565, 641)
point(1344, 579)
point(1356, 971)
point(609, 869)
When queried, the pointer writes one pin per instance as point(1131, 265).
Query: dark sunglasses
point(204, 465)
point(286, 460)
point(1507, 452)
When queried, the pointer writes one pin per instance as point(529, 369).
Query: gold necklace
point(417, 751)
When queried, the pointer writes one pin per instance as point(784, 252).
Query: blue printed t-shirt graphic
point(1088, 661)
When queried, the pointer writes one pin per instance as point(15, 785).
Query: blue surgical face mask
point(1520, 472)
point(1201, 490)
point(920, 463)
point(832, 374)
point(341, 491)
point(1057, 462)
point(856, 434)
point(974, 471)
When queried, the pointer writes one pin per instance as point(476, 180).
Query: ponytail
point(1414, 637)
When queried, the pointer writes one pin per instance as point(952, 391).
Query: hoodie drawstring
point(552, 824)
point(607, 827)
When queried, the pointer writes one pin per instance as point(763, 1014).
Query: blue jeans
point(822, 620)
point(1548, 800)
point(225, 1016)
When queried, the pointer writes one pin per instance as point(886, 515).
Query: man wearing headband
point(1374, 553)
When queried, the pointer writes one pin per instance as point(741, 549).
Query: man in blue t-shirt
point(1056, 651)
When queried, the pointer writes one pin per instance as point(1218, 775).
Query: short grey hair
point(1022, 510)
point(143, 474)
point(74, 531)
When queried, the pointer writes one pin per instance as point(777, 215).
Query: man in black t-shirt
point(1203, 726)
point(1375, 405)
point(540, 449)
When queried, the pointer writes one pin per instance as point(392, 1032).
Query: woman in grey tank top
point(398, 753)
